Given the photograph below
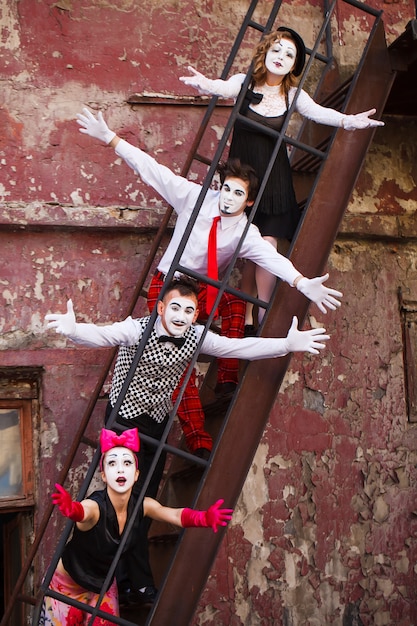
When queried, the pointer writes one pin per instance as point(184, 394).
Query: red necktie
point(212, 269)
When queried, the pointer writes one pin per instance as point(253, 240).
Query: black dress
point(278, 213)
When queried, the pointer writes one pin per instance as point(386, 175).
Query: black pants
point(134, 570)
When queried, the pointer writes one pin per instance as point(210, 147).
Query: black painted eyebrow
point(126, 454)
point(235, 190)
point(192, 308)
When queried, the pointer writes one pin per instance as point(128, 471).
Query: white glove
point(360, 121)
point(198, 81)
point(63, 323)
point(314, 289)
point(95, 127)
point(305, 340)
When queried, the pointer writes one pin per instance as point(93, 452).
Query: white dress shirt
point(129, 331)
point(182, 195)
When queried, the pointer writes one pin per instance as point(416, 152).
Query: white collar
point(232, 220)
point(159, 327)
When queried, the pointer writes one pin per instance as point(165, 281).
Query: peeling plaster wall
point(325, 529)
point(59, 56)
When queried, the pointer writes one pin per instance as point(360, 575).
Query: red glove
point(63, 500)
point(214, 517)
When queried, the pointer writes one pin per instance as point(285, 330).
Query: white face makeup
point(178, 313)
point(281, 57)
point(233, 197)
point(119, 469)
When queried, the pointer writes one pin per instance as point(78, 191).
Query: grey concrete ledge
point(54, 216)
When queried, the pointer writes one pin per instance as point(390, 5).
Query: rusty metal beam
point(249, 413)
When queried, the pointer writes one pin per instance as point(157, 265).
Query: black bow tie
point(177, 341)
point(255, 97)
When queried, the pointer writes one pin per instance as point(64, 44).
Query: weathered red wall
point(334, 481)
point(325, 525)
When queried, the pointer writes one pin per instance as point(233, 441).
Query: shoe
point(249, 331)
point(225, 389)
point(124, 597)
point(202, 453)
point(143, 596)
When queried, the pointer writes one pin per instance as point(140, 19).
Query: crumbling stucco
point(325, 529)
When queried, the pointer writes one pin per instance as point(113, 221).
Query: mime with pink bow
point(100, 521)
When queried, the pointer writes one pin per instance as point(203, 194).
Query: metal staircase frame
point(225, 473)
point(310, 252)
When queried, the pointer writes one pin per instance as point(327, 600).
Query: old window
point(16, 453)
point(19, 419)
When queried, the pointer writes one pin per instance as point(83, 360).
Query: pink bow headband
point(128, 439)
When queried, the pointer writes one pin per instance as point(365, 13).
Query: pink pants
point(56, 613)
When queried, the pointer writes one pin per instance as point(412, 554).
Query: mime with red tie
point(238, 190)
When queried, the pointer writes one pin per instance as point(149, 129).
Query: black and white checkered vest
point(157, 374)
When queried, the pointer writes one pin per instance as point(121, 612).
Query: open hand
point(63, 323)
point(314, 289)
point(197, 80)
point(305, 340)
point(360, 121)
point(212, 518)
point(215, 516)
point(62, 499)
point(94, 126)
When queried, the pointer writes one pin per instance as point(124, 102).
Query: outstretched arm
point(325, 115)
point(225, 88)
point(179, 192)
point(260, 251)
point(213, 517)
point(255, 348)
point(125, 333)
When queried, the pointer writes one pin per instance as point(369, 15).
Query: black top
point(278, 213)
point(88, 555)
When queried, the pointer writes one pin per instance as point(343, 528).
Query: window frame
point(409, 330)
point(26, 498)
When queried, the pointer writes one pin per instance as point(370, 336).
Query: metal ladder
point(335, 164)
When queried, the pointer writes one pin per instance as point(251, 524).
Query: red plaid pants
point(190, 412)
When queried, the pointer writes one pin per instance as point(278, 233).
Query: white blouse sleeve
point(229, 88)
point(307, 107)
point(248, 348)
point(176, 190)
point(125, 333)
